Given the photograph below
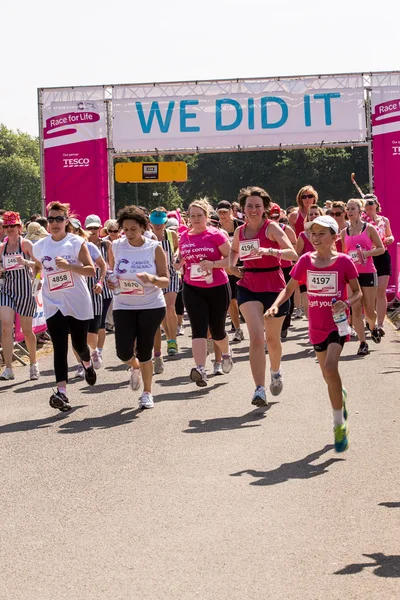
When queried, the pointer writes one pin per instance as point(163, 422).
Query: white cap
point(92, 220)
point(324, 221)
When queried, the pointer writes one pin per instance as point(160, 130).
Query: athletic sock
point(63, 390)
point(87, 364)
point(338, 417)
point(157, 354)
point(275, 373)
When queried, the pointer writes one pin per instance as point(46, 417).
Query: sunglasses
point(9, 226)
point(370, 203)
point(307, 196)
point(112, 231)
point(58, 219)
point(94, 228)
point(336, 214)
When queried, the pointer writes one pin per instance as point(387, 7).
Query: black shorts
point(266, 298)
point(303, 288)
point(383, 264)
point(333, 338)
point(368, 279)
point(232, 282)
point(94, 324)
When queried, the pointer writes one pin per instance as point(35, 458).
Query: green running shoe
point(341, 441)
point(344, 396)
point(172, 347)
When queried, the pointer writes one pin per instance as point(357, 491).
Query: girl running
point(66, 300)
point(326, 274)
point(261, 243)
point(306, 196)
point(304, 245)
point(17, 260)
point(361, 242)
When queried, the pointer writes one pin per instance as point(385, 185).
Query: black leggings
point(59, 326)
point(106, 306)
point(179, 307)
point(207, 307)
point(136, 325)
point(286, 322)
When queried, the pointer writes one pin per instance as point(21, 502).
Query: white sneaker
point(239, 336)
point(34, 372)
point(7, 374)
point(227, 362)
point(276, 385)
point(217, 369)
point(180, 330)
point(199, 376)
point(210, 346)
point(80, 372)
point(96, 360)
point(136, 379)
point(158, 365)
point(297, 313)
point(259, 397)
point(146, 400)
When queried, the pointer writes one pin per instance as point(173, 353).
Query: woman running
point(66, 300)
point(169, 243)
point(361, 242)
point(140, 265)
point(306, 196)
point(16, 297)
point(326, 273)
point(304, 245)
point(338, 212)
point(261, 244)
point(383, 263)
point(204, 250)
point(229, 224)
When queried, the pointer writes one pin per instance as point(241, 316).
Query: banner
point(75, 150)
point(238, 114)
point(386, 154)
point(39, 320)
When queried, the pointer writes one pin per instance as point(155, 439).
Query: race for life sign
point(247, 114)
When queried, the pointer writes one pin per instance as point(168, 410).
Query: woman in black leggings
point(204, 251)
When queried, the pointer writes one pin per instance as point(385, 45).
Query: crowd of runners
point(250, 259)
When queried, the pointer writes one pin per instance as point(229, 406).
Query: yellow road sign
point(150, 172)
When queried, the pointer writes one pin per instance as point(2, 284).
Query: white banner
point(238, 114)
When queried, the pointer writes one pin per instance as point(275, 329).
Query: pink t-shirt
point(362, 239)
point(308, 247)
point(202, 246)
point(323, 284)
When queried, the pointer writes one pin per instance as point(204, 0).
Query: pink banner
point(386, 153)
point(75, 152)
point(398, 272)
point(39, 321)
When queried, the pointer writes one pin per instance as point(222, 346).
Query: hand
point(271, 312)
point(237, 272)
point(21, 261)
point(145, 278)
point(388, 240)
point(206, 265)
point(61, 263)
point(111, 286)
point(177, 263)
point(339, 306)
point(98, 288)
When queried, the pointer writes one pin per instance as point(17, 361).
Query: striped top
point(17, 282)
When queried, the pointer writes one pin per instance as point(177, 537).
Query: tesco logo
point(76, 162)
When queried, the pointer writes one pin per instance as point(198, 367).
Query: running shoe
point(353, 332)
point(232, 329)
point(344, 397)
point(135, 379)
point(172, 347)
point(217, 369)
point(7, 374)
point(80, 372)
point(227, 362)
point(210, 346)
point(239, 335)
point(284, 333)
point(180, 330)
point(259, 397)
point(341, 441)
point(146, 400)
point(34, 372)
point(199, 376)
point(297, 313)
point(376, 336)
point(381, 331)
point(276, 385)
point(96, 360)
point(363, 349)
point(90, 374)
point(59, 401)
point(158, 365)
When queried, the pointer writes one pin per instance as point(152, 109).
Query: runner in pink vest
point(306, 196)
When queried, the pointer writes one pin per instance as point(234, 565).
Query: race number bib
point(322, 283)
point(197, 273)
point(10, 262)
point(131, 288)
point(354, 256)
point(61, 280)
point(246, 247)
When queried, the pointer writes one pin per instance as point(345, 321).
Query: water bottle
point(112, 278)
point(341, 321)
point(35, 285)
point(360, 254)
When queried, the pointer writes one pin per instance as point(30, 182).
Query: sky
point(50, 43)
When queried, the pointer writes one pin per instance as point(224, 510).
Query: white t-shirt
point(130, 260)
point(63, 290)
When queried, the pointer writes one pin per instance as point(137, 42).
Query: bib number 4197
point(322, 283)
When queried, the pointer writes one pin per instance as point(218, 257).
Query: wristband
point(279, 254)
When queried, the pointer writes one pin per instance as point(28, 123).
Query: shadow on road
point(115, 419)
point(382, 565)
point(192, 395)
point(100, 388)
point(390, 504)
point(227, 423)
point(38, 423)
point(173, 381)
point(299, 469)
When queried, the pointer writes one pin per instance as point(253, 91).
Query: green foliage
point(19, 172)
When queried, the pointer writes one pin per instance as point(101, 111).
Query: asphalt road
point(203, 496)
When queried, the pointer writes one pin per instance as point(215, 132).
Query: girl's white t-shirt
point(63, 290)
